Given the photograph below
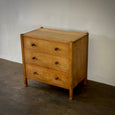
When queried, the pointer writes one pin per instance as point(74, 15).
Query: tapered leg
point(85, 81)
point(70, 93)
point(25, 82)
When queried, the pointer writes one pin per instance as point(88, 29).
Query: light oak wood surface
point(47, 46)
point(23, 59)
point(55, 57)
point(48, 75)
point(79, 60)
point(46, 60)
point(55, 35)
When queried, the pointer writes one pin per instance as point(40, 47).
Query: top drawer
point(55, 48)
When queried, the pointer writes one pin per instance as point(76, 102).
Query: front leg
point(25, 82)
point(70, 93)
point(85, 81)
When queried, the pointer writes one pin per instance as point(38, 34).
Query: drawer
point(49, 61)
point(47, 75)
point(50, 47)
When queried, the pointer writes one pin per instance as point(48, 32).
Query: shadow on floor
point(42, 99)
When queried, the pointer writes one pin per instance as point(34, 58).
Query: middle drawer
point(45, 60)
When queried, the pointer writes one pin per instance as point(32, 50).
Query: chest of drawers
point(55, 57)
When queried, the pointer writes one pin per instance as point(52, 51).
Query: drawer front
point(49, 61)
point(55, 48)
point(47, 76)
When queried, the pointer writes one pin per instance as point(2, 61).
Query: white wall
point(95, 16)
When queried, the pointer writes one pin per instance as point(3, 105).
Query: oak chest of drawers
point(55, 57)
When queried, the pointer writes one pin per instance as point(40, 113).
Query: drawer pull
point(34, 73)
point(56, 78)
point(56, 62)
point(33, 44)
point(56, 49)
point(33, 58)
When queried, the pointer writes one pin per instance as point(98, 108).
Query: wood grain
point(79, 60)
point(46, 60)
point(55, 57)
point(23, 59)
point(55, 35)
point(47, 47)
point(48, 75)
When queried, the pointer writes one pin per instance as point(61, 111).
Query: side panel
point(79, 60)
point(23, 59)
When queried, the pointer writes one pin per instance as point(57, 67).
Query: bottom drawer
point(49, 76)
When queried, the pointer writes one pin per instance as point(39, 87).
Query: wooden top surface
point(55, 35)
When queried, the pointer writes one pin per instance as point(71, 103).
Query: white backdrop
point(95, 16)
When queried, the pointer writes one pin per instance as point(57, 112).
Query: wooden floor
point(42, 99)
